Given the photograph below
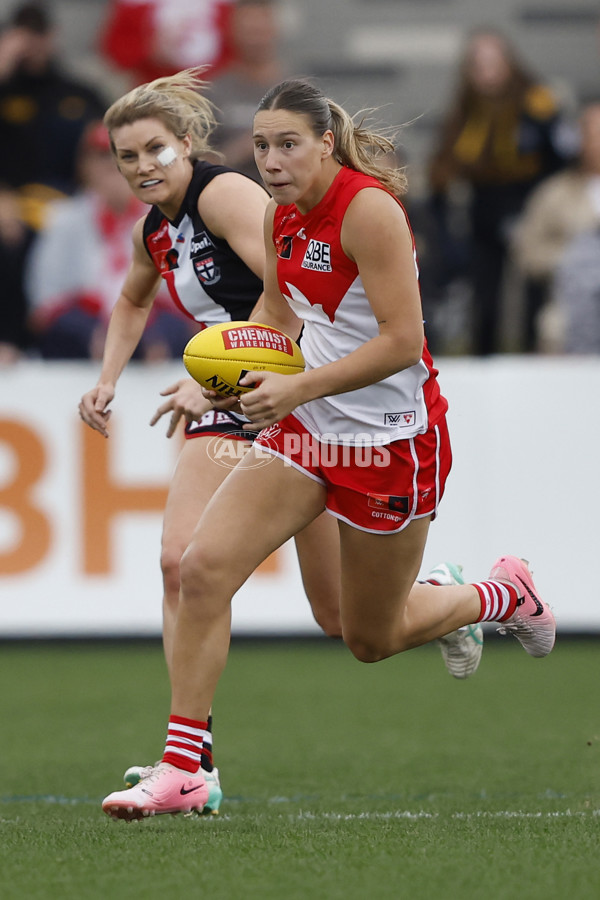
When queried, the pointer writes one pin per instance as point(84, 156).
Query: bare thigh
point(378, 574)
point(196, 478)
point(255, 510)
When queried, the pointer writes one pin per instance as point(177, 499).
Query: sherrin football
point(219, 356)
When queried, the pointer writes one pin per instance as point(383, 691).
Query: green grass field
point(341, 780)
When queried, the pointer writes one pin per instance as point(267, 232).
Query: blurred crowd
point(507, 224)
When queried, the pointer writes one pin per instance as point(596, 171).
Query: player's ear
point(187, 145)
point(328, 144)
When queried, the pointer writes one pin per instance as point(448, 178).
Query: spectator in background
point(43, 112)
point(558, 211)
point(577, 294)
point(15, 239)
point(236, 93)
point(152, 38)
point(78, 263)
point(501, 136)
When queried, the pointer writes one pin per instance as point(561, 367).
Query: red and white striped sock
point(499, 599)
point(183, 748)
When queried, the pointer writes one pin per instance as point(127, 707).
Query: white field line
point(422, 814)
point(308, 815)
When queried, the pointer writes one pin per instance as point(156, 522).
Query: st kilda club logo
point(207, 271)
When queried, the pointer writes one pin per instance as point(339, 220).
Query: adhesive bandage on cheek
point(166, 157)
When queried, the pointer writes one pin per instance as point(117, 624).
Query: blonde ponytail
point(364, 150)
point(177, 101)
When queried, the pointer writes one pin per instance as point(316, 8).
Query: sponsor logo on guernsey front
point(200, 242)
point(401, 419)
point(159, 235)
point(264, 338)
point(317, 256)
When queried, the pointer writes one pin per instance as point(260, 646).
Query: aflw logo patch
point(401, 419)
point(317, 257)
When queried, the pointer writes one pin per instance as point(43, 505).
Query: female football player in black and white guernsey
point(203, 236)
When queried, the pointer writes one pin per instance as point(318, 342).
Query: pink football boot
point(532, 623)
point(164, 790)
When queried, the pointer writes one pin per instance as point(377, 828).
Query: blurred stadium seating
point(398, 55)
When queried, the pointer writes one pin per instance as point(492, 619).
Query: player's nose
point(272, 162)
point(146, 162)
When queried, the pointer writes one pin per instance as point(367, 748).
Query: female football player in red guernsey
point(360, 433)
point(203, 236)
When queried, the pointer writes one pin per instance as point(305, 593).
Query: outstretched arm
point(126, 326)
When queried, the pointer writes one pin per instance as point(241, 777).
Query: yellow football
point(219, 356)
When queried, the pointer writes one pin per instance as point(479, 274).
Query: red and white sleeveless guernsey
point(324, 288)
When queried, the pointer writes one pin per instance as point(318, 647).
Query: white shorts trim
point(291, 463)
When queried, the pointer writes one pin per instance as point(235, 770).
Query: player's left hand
point(185, 400)
point(273, 398)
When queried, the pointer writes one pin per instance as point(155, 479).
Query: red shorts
point(378, 489)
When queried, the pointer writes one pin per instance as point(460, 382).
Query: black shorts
point(217, 422)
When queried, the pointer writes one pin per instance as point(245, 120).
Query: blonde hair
point(177, 101)
point(355, 145)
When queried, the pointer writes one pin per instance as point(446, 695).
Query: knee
point(329, 621)
point(325, 606)
point(370, 648)
point(170, 560)
point(199, 572)
point(363, 648)
point(190, 570)
point(206, 587)
point(331, 628)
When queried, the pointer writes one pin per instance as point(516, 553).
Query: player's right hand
point(228, 404)
point(93, 407)
point(185, 399)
